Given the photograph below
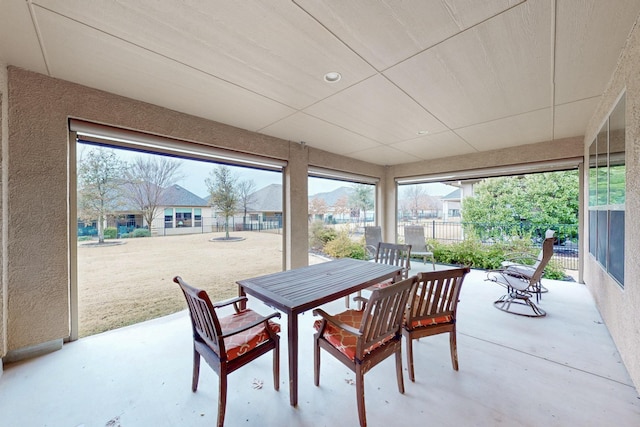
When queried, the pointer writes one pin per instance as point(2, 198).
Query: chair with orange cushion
point(361, 339)
point(433, 306)
point(230, 342)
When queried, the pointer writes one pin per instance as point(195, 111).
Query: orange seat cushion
point(432, 321)
point(241, 343)
point(343, 340)
point(381, 285)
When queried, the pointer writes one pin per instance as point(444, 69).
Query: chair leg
point(454, 349)
point(433, 262)
point(362, 416)
point(399, 370)
point(276, 366)
point(222, 397)
point(316, 362)
point(412, 376)
point(196, 370)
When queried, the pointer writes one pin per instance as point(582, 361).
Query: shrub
point(473, 253)
point(140, 232)
point(110, 233)
point(320, 235)
point(343, 247)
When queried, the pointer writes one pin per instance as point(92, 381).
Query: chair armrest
point(230, 301)
point(330, 319)
point(519, 257)
point(257, 322)
point(362, 299)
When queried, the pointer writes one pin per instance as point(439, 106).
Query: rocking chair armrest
point(330, 319)
point(519, 257)
point(257, 322)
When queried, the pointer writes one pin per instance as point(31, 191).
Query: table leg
point(293, 358)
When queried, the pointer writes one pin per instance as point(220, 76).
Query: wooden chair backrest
point(436, 294)
point(394, 254)
point(205, 323)
point(383, 314)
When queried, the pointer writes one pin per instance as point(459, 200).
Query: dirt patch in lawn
point(124, 284)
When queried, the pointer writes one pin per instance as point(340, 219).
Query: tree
point(535, 201)
point(415, 197)
point(341, 207)
point(246, 188)
point(317, 207)
point(362, 198)
point(148, 178)
point(99, 186)
point(223, 193)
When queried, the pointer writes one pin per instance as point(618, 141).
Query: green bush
point(84, 238)
point(343, 247)
point(320, 235)
point(140, 232)
point(473, 253)
point(110, 233)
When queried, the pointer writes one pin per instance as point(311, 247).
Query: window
point(94, 290)
point(183, 217)
point(607, 193)
point(168, 218)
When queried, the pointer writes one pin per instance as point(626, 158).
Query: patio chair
point(414, 236)
point(361, 339)
point(390, 254)
point(372, 236)
point(524, 263)
point(433, 307)
point(230, 342)
point(521, 284)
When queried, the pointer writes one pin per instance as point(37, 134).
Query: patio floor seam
point(548, 360)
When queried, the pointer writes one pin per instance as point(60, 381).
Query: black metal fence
point(566, 249)
point(271, 224)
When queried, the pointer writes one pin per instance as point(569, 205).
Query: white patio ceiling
point(476, 75)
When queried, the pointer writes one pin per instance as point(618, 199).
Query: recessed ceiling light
point(422, 132)
point(332, 77)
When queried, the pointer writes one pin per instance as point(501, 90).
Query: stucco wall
point(619, 307)
point(530, 153)
point(38, 266)
point(3, 144)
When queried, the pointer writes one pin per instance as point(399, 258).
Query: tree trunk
point(101, 230)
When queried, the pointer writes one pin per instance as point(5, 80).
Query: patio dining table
point(301, 289)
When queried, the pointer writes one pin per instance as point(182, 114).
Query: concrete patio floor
point(561, 370)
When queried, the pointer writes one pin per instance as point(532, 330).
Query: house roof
point(454, 195)
point(267, 199)
point(179, 196)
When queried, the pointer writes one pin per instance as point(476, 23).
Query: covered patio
point(448, 90)
point(555, 371)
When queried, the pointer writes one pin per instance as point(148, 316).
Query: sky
point(196, 172)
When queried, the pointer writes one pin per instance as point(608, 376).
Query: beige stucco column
point(296, 207)
point(4, 135)
point(388, 206)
